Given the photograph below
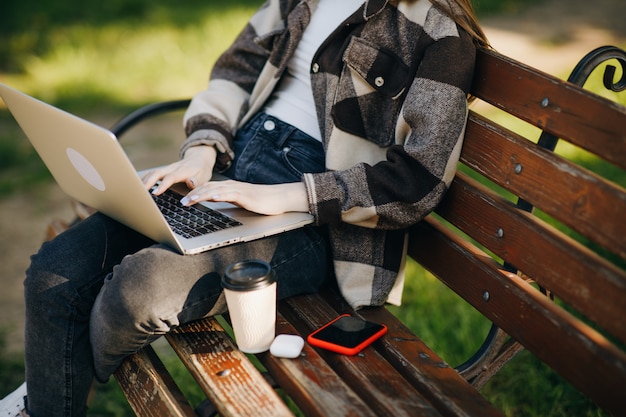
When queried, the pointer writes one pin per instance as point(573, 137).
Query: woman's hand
point(263, 199)
point(195, 168)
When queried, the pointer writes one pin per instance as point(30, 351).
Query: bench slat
point(591, 362)
point(149, 388)
point(583, 279)
point(585, 119)
point(311, 382)
point(436, 380)
point(225, 374)
point(368, 374)
point(578, 198)
point(420, 365)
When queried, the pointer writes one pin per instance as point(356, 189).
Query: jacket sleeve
point(214, 113)
point(407, 185)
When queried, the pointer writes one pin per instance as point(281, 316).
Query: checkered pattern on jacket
point(390, 88)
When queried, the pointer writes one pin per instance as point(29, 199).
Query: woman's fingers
point(263, 199)
point(195, 168)
point(167, 176)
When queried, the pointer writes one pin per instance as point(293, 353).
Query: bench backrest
point(502, 259)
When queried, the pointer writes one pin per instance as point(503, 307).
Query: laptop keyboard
point(192, 221)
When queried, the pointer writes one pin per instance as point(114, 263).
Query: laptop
point(90, 166)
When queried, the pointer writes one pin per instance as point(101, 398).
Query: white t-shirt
point(292, 102)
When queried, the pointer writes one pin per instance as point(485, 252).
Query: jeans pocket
point(273, 152)
point(303, 160)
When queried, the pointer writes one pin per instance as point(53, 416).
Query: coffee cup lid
point(248, 275)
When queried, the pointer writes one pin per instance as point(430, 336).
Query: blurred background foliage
point(123, 52)
point(114, 54)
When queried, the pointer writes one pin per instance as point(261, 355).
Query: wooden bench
point(551, 279)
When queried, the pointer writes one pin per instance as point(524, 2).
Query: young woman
point(351, 110)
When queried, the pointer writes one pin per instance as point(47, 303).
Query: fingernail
point(184, 201)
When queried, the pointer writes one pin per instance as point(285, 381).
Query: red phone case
point(345, 350)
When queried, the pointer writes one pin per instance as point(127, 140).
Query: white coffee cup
point(250, 290)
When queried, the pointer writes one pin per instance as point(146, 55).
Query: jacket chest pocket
point(368, 99)
point(380, 69)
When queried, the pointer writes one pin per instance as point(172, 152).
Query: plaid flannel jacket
point(390, 87)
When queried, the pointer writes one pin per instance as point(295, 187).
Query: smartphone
point(346, 334)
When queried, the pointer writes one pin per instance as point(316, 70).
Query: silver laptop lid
point(99, 174)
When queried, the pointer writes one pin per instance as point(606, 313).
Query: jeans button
point(269, 125)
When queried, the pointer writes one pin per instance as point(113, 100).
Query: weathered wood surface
point(225, 374)
point(562, 109)
point(312, 383)
point(149, 388)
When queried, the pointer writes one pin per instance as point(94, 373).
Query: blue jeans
point(100, 291)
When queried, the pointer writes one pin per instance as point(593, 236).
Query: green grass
point(11, 367)
point(91, 61)
point(101, 61)
point(113, 57)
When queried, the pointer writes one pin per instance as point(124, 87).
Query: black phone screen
point(348, 331)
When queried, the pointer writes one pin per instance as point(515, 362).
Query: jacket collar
point(373, 7)
point(297, 21)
